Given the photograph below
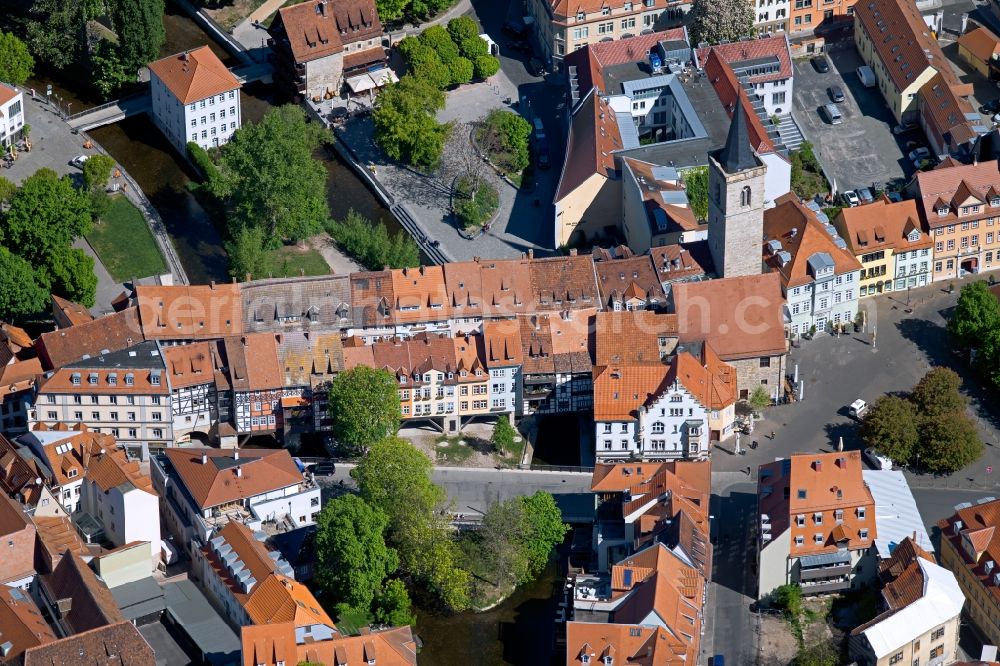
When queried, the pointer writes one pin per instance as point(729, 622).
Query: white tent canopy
point(371, 80)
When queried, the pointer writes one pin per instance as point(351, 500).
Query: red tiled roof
point(113, 332)
point(761, 47)
point(981, 43)
point(592, 58)
point(800, 234)
point(118, 644)
point(902, 40)
point(316, 28)
point(593, 136)
point(216, 481)
point(195, 311)
point(942, 184)
point(857, 226)
point(729, 90)
point(744, 320)
point(194, 75)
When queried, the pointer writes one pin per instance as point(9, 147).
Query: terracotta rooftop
point(112, 469)
point(502, 342)
point(56, 535)
point(251, 552)
point(19, 376)
point(901, 38)
point(593, 58)
point(939, 187)
point(796, 229)
point(633, 338)
point(189, 365)
point(624, 280)
point(420, 294)
point(711, 381)
point(309, 355)
point(681, 262)
point(71, 312)
point(91, 604)
point(230, 476)
point(619, 391)
point(770, 47)
point(113, 332)
point(185, 312)
point(808, 483)
point(758, 329)
point(945, 108)
point(194, 75)
point(6, 94)
point(593, 137)
point(316, 29)
point(269, 644)
point(138, 370)
point(564, 283)
point(372, 299)
point(976, 539)
point(118, 644)
point(732, 95)
point(981, 43)
point(18, 474)
point(300, 303)
point(23, 626)
point(279, 598)
point(883, 225)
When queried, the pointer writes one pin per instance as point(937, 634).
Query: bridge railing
point(561, 468)
point(107, 105)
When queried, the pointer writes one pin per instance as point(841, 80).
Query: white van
point(833, 114)
point(867, 76)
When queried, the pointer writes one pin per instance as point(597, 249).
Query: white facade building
point(195, 98)
point(11, 115)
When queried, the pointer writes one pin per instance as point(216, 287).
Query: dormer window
point(861, 513)
point(942, 211)
point(92, 379)
point(605, 11)
point(75, 378)
point(71, 473)
point(994, 202)
point(580, 16)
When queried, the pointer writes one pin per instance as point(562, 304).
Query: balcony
point(817, 573)
point(825, 586)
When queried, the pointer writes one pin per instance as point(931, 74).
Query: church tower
point(736, 202)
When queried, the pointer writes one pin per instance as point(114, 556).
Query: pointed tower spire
point(737, 154)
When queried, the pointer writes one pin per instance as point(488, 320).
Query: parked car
point(718, 660)
point(323, 468)
point(836, 94)
point(833, 114)
point(866, 75)
point(850, 199)
point(919, 153)
point(925, 163)
point(78, 161)
point(539, 129)
point(858, 409)
point(903, 128)
point(894, 197)
point(821, 64)
point(875, 460)
point(543, 154)
point(990, 107)
point(865, 194)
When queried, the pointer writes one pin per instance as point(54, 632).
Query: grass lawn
point(291, 260)
point(452, 450)
point(124, 243)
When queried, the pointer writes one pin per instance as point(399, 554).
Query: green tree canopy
point(461, 28)
point(16, 63)
point(57, 32)
point(820, 654)
point(395, 469)
point(390, 10)
point(510, 133)
point(715, 20)
point(20, 290)
point(351, 551)
point(364, 407)
point(7, 190)
point(461, 70)
point(139, 26)
point(109, 73)
point(545, 529)
point(70, 271)
point(437, 38)
point(949, 443)
point(891, 428)
point(696, 187)
point(485, 65)
point(937, 393)
point(976, 313)
point(503, 534)
point(97, 171)
point(269, 178)
point(45, 215)
point(246, 252)
point(392, 605)
point(405, 127)
point(372, 245)
point(503, 435)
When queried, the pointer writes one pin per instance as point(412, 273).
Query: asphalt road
point(472, 490)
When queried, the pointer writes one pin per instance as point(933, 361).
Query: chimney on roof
point(236, 454)
point(794, 232)
point(247, 277)
point(572, 252)
point(244, 340)
point(531, 253)
point(64, 606)
point(239, 470)
point(184, 56)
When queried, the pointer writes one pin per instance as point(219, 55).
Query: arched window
point(745, 196)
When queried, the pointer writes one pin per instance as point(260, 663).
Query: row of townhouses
point(84, 582)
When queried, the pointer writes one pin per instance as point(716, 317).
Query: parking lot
point(862, 149)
